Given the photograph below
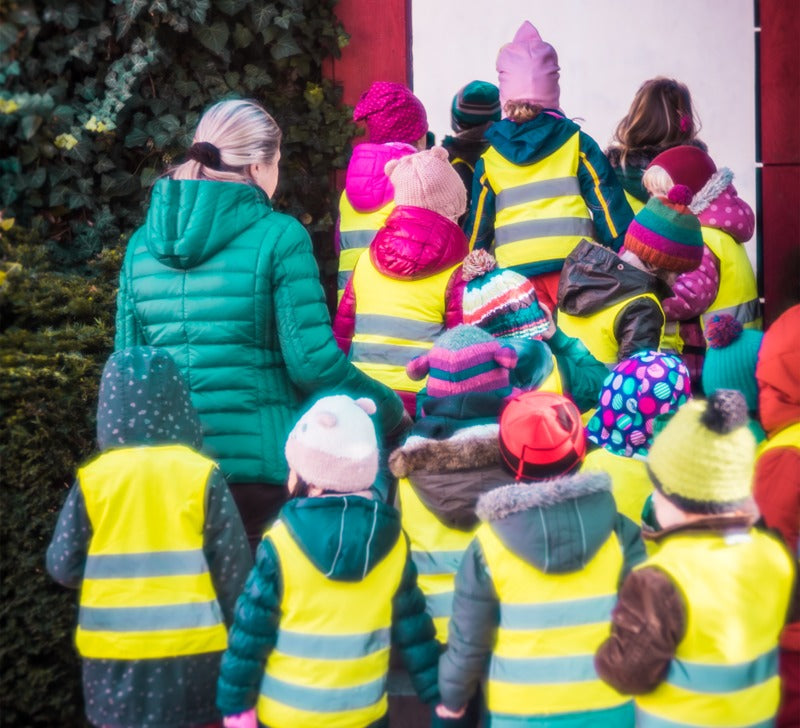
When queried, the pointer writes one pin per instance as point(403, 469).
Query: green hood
point(556, 525)
point(143, 400)
point(532, 141)
point(344, 536)
point(191, 220)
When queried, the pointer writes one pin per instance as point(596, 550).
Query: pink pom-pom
point(680, 195)
point(722, 330)
point(418, 367)
point(477, 263)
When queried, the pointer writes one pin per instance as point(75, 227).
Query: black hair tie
point(205, 153)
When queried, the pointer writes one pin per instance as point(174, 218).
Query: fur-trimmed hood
point(556, 525)
point(450, 475)
point(718, 205)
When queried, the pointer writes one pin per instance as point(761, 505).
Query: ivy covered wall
point(97, 98)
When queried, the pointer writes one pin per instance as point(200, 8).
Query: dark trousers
point(258, 504)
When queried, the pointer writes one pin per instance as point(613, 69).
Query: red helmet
point(541, 435)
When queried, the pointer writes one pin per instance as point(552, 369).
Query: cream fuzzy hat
point(427, 179)
point(333, 445)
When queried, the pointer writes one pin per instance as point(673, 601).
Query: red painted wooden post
point(779, 84)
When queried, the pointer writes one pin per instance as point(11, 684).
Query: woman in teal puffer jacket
point(231, 289)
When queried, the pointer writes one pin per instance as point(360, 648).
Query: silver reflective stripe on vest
point(555, 227)
point(323, 700)
point(331, 647)
point(743, 312)
point(356, 239)
point(154, 563)
point(647, 720)
point(542, 190)
point(704, 678)
point(396, 355)
point(557, 614)
point(439, 605)
point(397, 327)
point(543, 670)
point(150, 619)
point(437, 562)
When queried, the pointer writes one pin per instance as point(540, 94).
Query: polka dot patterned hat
point(144, 401)
point(634, 394)
point(391, 113)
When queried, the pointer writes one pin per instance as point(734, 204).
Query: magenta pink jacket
point(366, 184)
point(415, 243)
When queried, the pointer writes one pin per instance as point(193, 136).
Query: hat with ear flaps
point(333, 445)
point(704, 458)
point(427, 179)
point(464, 359)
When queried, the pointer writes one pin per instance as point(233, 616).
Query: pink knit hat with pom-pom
point(666, 234)
point(391, 113)
point(427, 179)
point(528, 70)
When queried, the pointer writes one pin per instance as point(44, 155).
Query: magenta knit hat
point(666, 234)
point(527, 70)
point(392, 113)
point(333, 445)
point(686, 165)
point(464, 359)
point(427, 179)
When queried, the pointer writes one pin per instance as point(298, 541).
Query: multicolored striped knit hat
point(666, 234)
point(499, 300)
point(634, 394)
point(475, 104)
point(464, 359)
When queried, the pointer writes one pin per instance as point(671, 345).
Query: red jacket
point(777, 479)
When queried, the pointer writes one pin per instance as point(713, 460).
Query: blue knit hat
point(475, 104)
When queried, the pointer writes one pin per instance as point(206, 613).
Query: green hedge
point(96, 100)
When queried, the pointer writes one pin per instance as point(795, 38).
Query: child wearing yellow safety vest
point(534, 592)
point(407, 288)
point(151, 536)
point(724, 282)
point(776, 485)
point(396, 126)
point(612, 302)
point(333, 587)
point(543, 184)
point(504, 303)
point(695, 631)
point(638, 391)
point(450, 459)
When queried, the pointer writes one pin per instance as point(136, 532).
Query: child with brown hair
point(543, 185)
point(661, 116)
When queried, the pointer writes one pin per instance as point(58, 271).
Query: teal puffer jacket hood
point(230, 288)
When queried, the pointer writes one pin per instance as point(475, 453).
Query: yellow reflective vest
point(541, 220)
point(597, 330)
point(331, 658)
point(630, 483)
point(736, 592)
point(396, 320)
point(738, 292)
point(147, 592)
point(356, 232)
point(550, 627)
point(635, 203)
point(787, 437)
point(436, 551)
